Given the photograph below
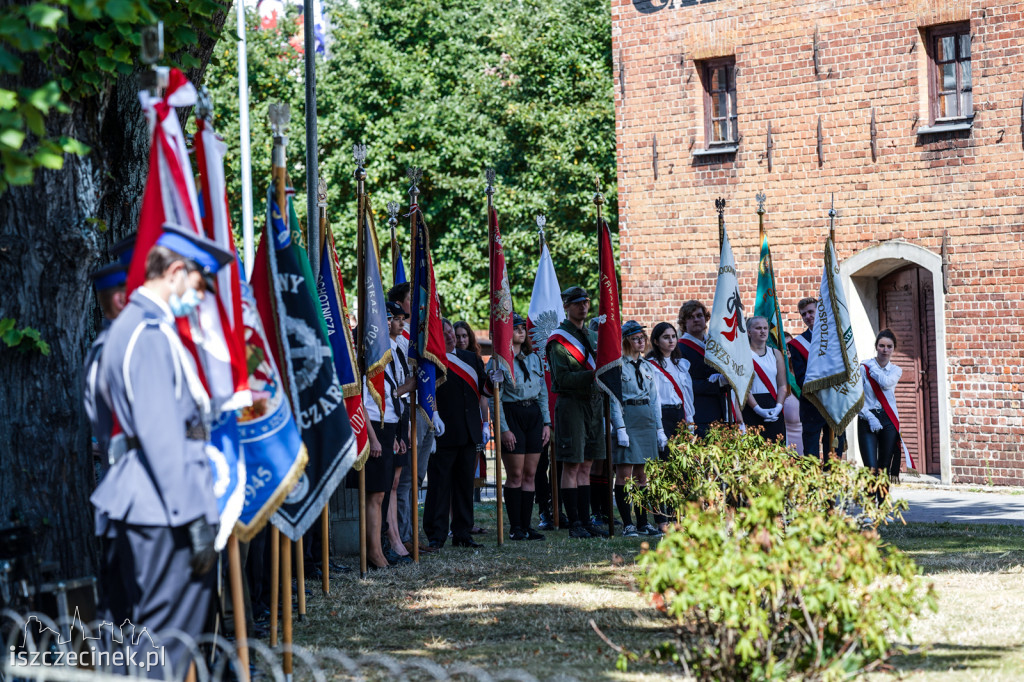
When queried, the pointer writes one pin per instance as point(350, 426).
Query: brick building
point(911, 113)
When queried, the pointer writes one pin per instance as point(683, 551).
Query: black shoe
point(545, 522)
point(563, 520)
point(391, 556)
point(579, 532)
point(517, 534)
point(597, 531)
point(402, 559)
point(465, 541)
point(531, 534)
point(436, 544)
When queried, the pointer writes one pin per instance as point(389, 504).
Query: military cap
point(518, 319)
point(394, 310)
point(631, 327)
point(207, 255)
point(574, 295)
point(109, 276)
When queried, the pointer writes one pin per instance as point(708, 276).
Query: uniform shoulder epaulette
point(151, 320)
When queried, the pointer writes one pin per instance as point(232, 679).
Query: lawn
point(529, 606)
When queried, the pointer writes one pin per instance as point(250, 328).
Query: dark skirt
point(527, 424)
point(671, 417)
point(770, 430)
point(380, 471)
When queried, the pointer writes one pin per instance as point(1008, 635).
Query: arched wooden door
point(906, 306)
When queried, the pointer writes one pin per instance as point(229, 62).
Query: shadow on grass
point(954, 547)
point(949, 656)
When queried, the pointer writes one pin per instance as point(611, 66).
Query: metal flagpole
point(396, 253)
point(608, 464)
point(248, 238)
point(552, 457)
point(325, 519)
point(497, 389)
point(308, 25)
point(415, 175)
point(720, 208)
point(831, 438)
point(359, 154)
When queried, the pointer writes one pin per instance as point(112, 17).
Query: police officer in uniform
point(156, 504)
point(579, 412)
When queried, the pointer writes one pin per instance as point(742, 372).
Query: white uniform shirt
point(393, 373)
point(680, 371)
point(887, 378)
point(768, 364)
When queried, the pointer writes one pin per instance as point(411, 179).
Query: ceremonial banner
point(501, 298)
point(397, 266)
point(608, 375)
point(286, 296)
point(728, 348)
point(426, 345)
point(766, 304)
point(274, 454)
point(545, 314)
point(833, 379)
point(334, 308)
point(376, 341)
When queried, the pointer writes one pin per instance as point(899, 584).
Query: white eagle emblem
point(543, 326)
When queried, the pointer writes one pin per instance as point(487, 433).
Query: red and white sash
point(574, 348)
point(801, 345)
point(693, 343)
point(768, 383)
point(465, 371)
point(672, 380)
point(890, 412)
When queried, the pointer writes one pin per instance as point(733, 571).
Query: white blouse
point(768, 364)
point(887, 378)
point(680, 371)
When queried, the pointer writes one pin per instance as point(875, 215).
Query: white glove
point(622, 437)
point(776, 411)
point(874, 424)
point(487, 432)
point(764, 414)
point(497, 376)
point(662, 439)
point(438, 425)
point(715, 378)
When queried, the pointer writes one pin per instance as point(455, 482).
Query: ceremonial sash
point(692, 344)
point(671, 380)
point(766, 381)
point(801, 345)
point(405, 334)
point(891, 413)
point(574, 348)
point(465, 371)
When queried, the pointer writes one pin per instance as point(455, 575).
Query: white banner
point(546, 311)
point(727, 345)
point(833, 379)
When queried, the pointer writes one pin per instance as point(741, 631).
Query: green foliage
point(85, 44)
point(765, 574)
point(452, 87)
point(24, 340)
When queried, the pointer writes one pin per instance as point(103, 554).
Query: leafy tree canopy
point(452, 87)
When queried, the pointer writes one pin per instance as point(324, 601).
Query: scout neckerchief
point(576, 349)
point(890, 411)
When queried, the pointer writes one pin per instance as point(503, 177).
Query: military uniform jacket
point(530, 384)
point(101, 421)
point(569, 376)
point(164, 477)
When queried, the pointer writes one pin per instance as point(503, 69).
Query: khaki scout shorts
point(579, 429)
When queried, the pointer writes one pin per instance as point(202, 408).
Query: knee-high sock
point(599, 495)
point(623, 505)
point(525, 508)
point(568, 496)
point(583, 503)
point(512, 502)
point(641, 513)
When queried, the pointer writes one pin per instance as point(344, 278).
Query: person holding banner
point(878, 429)
point(637, 424)
point(709, 387)
point(526, 428)
point(400, 382)
point(768, 390)
point(814, 424)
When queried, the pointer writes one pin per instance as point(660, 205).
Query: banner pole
point(325, 549)
point(286, 606)
point(312, 166)
point(245, 136)
point(414, 192)
point(497, 389)
point(831, 438)
point(275, 580)
point(359, 154)
point(300, 577)
point(609, 465)
point(238, 608)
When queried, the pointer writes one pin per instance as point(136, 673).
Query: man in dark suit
point(813, 424)
point(462, 406)
point(709, 388)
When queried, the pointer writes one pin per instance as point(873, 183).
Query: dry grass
point(528, 606)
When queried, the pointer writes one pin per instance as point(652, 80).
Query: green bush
point(765, 573)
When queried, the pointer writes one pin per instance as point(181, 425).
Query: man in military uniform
point(579, 426)
point(156, 504)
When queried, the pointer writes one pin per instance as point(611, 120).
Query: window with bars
point(719, 80)
point(950, 90)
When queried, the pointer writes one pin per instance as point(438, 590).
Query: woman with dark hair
point(525, 428)
point(637, 424)
point(465, 338)
point(878, 428)
point(768, 389)
point(672, 376)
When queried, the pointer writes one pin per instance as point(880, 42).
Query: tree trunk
point(52, 235)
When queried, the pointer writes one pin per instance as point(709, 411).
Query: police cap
point(109, 276)
point(394, 310)
point(208, 256)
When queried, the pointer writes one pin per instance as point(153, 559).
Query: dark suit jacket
point(809, 414)
point(707, 395)
point(458, 405)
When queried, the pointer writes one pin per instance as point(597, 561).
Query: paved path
point(955, 506)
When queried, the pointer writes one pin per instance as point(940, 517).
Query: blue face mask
point(184, 305)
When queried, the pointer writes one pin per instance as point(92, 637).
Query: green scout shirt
point(569, 377)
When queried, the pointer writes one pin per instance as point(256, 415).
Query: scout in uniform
point(156, 504)
point(579, 429)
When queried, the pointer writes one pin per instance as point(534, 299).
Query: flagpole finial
point(415, 176)
point(152, 51)
point(490, 174)
point(541, 222)
point(359, 154)
point(279, 115)
point(720, 207)
point(204, 104)
point(832, 208)
point(393, 214)
point(321, 192)
point(760, 198)
point(832, 219)
point(598, 196)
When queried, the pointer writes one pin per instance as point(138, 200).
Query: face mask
point(184, 305)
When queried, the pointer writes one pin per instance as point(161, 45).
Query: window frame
point(933, 35)
point(707, 68)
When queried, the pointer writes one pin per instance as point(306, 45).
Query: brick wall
point(964, 187)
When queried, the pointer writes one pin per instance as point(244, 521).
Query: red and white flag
point(608, 375)
point(545, 313)
point(501, 298)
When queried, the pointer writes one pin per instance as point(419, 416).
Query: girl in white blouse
point(878, 423)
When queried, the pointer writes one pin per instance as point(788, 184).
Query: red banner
point(609, 331)
point(501, 298)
